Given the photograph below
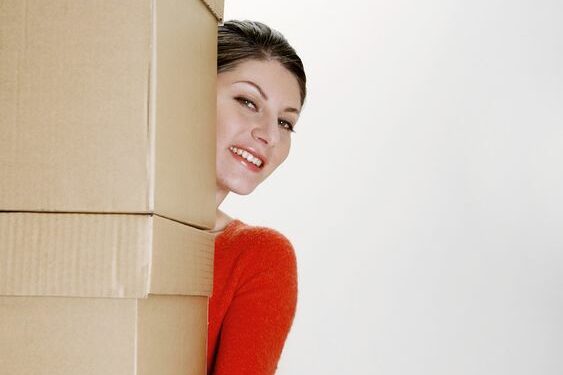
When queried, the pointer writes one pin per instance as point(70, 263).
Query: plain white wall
point(424, 190)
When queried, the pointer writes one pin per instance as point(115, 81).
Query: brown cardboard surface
point(75, 106)
point(103, 294)
point(217, 7)
point(92, 336)
point(186, 70)
point(108, 106)
point(102, 255)
point(182, 259)
point(107, 151)
point(172, 333)
point(64, 336)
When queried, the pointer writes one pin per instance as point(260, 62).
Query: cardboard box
point(107, 155)
point(109, 106)
point(103, 294)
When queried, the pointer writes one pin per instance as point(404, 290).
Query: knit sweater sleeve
point(261, 313)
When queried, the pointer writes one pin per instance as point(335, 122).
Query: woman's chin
point(236, 184)
point(243, 190)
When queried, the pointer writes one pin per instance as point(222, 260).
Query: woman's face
point(258, 103)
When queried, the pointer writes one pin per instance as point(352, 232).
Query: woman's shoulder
point(254, 242)
point(256, 234)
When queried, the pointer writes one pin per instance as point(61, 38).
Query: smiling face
point(258, 103)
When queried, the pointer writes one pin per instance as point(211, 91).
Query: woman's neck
point(221, 221)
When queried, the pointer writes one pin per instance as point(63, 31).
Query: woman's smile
point(248, 157)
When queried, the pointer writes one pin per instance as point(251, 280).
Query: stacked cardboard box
point(107, 178)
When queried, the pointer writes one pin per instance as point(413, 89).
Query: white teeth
point(247, 155)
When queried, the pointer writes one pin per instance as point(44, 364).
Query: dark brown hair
point(250, 40)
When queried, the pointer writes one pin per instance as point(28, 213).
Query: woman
point(261, 87)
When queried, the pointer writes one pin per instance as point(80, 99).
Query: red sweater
point(253, 302)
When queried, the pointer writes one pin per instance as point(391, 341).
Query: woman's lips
point(248, 164)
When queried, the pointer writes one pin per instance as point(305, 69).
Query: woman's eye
point(286, 125)
point(246, 102)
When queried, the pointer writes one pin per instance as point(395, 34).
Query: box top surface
point(217, 7)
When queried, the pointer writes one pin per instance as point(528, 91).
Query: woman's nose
point(266, 131)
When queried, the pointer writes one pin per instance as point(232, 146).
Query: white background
point(424, 190)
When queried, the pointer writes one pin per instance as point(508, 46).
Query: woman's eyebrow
point(257, 88)
point(263, 94)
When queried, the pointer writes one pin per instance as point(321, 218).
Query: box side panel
point(172, 335)
point(87, 255)
point(74, 105)
point(186, 60)
point(67, 336)
point(182, 259)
